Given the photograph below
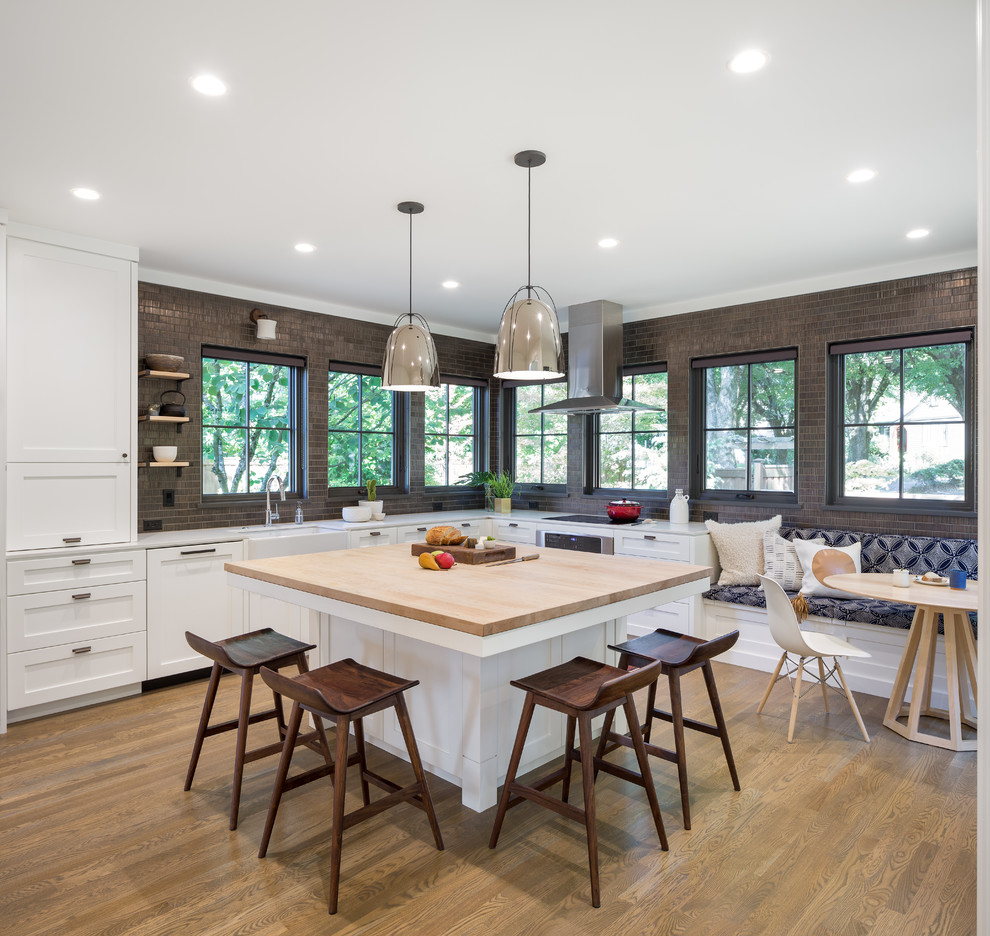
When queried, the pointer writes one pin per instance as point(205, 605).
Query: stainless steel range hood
point(594, 362)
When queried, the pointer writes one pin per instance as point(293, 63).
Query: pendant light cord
point(529, 230)
point(410, 269)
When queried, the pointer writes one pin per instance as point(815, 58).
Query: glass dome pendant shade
point(410, 356)
point(528, 346)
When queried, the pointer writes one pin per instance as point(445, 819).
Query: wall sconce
point(266, 325)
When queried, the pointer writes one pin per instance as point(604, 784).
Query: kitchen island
point(465, 633)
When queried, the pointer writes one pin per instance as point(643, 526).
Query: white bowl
point(165, 453)
point(356, 514)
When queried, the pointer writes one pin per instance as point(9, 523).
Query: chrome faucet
point(269, 516)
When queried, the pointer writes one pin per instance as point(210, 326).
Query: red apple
point(445, 560)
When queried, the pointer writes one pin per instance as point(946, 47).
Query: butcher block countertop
point(480, 600)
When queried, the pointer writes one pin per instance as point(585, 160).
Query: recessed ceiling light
point(450, 284)
point(861, 175)
point(86, 194)
point(749, 60)
point(305, 248)
point(209, 85)
point(918, 232)
point(608, 242)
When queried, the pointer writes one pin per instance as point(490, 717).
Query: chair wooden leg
point(339, 788)
point(852, 701)
point(565, 791)
point(243, 717)
point(821, 682)
point(644, 769)
point(677, 721)
point(795, 700)
point(590, 818)
point(417, 765)
point(517, 748)
point(772, 683)
point(204, 721)
point(723, 731)
point(288, 747)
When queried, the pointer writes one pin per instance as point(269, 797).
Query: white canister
point(902, 578)
point(679, 507)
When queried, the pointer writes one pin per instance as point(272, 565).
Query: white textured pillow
point(807, 550)
point(740, 549)
point(781, 560)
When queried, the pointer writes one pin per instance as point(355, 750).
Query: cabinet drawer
point(25, 576)
point(358, 540)
point(54, 673)
point(410, 534)
point(48, 619)
point(511, 531)
point(675, 616)
point(654, 546)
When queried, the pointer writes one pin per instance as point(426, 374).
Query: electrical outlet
point(437, 505)
point(151, 525)
point(534, 505)
point(709, 515)
point(168, 497)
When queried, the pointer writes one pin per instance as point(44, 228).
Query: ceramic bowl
point(356, 514)
point(163, 362)
point(165, 453)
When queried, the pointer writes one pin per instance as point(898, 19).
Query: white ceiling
point(720, 187)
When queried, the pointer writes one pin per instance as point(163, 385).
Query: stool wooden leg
point(362, 759)
point(723, 732)
point(204, 721)
point(243, 716)
point(565, 791)
point(288, 746)
point(417, 765)
point(677, 720)
point(644, 769)
point(590, 818)
point(339, 788)
point(517, 748)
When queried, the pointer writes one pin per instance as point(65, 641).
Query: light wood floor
point(828, 836)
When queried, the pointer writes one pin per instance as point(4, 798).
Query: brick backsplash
point(180, 321)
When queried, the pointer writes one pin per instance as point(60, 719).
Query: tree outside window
point(632, 446)
point(904, 419)
point(452, 432)
point(249, 422)
point(748, 411)
point(361, 430)
point(540, 455)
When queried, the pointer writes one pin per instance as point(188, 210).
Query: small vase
point(502, 504)
point(679, 507)
point(377, 506)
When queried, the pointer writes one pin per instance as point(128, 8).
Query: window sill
point(903, 508)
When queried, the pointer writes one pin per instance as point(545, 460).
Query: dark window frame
point(508, 435)
point(298, 429)
point(835, 424)
point(593, 452)
point(481, 404)
point(400, 435)
point(698, 428)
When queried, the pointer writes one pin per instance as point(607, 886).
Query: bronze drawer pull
point(82, 595)
point(649, 537)
point(81, 561)
point(514, 524)
point(421, 529)
point(376, 533)
point(71, 539)
point(197, 552)
point(81, 649)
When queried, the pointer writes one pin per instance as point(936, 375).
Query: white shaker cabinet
point(187, 590)
point(513, 531)
point(359, 539)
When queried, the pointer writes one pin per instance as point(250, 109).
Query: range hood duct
point(594, 362)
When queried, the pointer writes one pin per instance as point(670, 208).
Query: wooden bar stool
point(345, 692)
point(582, 689)
point(678, 654)
point(245, 655)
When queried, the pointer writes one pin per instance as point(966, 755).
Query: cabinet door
point(67, 505)
point(69, 368)
point(188, 590)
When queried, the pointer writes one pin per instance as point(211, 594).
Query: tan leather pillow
point(839, 559)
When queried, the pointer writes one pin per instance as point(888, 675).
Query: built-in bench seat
point(877, 626)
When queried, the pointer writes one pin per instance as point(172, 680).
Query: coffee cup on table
point(902, 578)
point(957, 579)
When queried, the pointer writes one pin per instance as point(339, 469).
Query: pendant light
point(528, 346)
point(410, 355)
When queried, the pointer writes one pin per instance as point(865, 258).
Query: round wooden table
point(919, 654)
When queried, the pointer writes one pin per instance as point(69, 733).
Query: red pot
point(623, 511)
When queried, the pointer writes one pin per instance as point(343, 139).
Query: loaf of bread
point(444, 536)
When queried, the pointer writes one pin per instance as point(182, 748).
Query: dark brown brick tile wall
point(180, 321)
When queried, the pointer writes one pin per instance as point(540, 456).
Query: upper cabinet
point(69, 363)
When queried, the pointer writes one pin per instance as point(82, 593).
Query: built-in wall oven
point(576, 542)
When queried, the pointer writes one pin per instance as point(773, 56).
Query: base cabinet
point(187, 590)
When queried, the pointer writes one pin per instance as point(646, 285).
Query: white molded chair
point(805, 645)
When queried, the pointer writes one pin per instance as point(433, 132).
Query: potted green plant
point(498, 488)
point(377, 506)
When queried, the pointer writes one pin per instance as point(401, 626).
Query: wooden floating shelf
point(165, 419)
point(174, 464)
point(164, 375)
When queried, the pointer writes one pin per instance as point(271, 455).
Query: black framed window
point(632, 446)
point(253, 424)
point(744, 426)
point(901, 422)
point(454, 420)
point(363, 428)
point(538, 440)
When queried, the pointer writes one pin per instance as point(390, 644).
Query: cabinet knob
point(124, 455)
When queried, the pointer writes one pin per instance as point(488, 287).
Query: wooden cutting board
point(469, 556)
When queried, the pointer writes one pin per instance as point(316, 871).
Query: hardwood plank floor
point(828, 835)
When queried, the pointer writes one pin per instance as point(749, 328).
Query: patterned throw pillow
point(740, 549)
point(848, 560)
point(781, 560)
